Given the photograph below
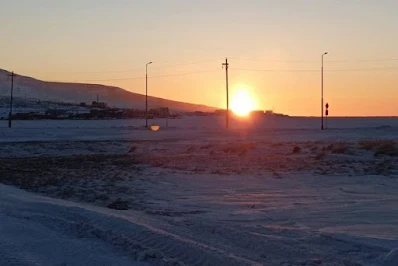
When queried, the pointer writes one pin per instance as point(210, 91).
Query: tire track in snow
point(127, 234)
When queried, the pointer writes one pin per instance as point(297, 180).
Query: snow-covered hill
point(31, 88)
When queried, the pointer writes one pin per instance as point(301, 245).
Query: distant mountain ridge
point(27, 87)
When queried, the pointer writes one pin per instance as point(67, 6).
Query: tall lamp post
point(146, 94)
point(322, 128)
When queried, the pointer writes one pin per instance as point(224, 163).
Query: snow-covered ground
point(40, 231)
point(196, 128)
point(279, 192)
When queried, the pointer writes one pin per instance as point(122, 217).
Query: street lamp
point(146, 94)
point(322, 91)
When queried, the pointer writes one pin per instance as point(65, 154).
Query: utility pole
point(146, 94)
point(12, 75)
point(226, 78)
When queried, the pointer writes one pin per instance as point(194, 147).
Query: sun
point(242, 102)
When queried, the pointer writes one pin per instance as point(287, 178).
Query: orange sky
point(70, 41)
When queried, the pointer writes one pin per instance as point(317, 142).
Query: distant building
point(96, 104)
point(270, 113)
point(256, 113)
point(56, 113)
point(221, 112)
point(133, 113)
point(161, 112)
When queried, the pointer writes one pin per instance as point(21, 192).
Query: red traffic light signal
point(327, 105)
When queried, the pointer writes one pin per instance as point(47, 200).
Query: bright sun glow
point(242, 103)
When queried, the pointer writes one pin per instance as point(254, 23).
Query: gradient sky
point(109, 42)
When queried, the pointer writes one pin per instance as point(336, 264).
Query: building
point(161, 112)
point(221, 112)
point(257, 113)
point(96, 104)
point(270, 113)
point(56, 114)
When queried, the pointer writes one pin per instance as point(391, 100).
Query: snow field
point(198, 196)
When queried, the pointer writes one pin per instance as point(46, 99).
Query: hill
point(30, 88)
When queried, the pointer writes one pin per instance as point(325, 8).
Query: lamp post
point(146, 94)
point(322, 91)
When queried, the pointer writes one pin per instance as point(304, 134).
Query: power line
point(392, 68)
point(363, 60)
point(134, 78)
point(187, 64)
point(280, 61)
point(101, 72)
point(132, 70)
point(158, 67)
point(89, 72)
point(316, 70)
point(363, 69)
point(316, 61)
point(241, 69)
point(275, 70)
point(246, 69)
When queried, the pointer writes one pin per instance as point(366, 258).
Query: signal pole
point(326, 115)
point(322, 128)
point(12, 75)
point(226, 78)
